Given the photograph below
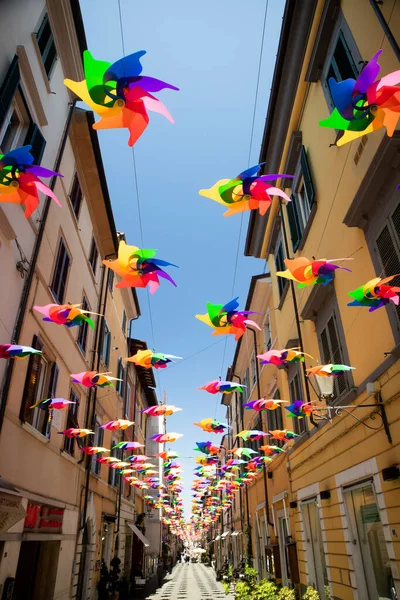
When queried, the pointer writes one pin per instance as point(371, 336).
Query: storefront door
point(315, 549)
point(36, 571)
point(283, 534)
point(369, 543)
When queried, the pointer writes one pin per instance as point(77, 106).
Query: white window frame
point(17, 105)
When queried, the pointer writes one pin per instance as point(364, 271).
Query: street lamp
point(324, 385)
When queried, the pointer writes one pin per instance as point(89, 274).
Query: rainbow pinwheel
point(167, 454)
point(299, 409)
point(92, 450)
point(271, 450)
point(222, 387)
point(138, 268)
point(251, 434)
point(19, 180)
point(207, 448)
point(283, 434)
point(74, 433)
point(117, 424)
point(119, 95)
point(69, 315)
point(328, 370)
point(243, 452)
point(376, 293)
point(12, 351)
point(148, 359)
point(263, 404)
point(129, 445)
point(308, 272)
point(92, 379)
point(53, 403)
point(281, 357)
point(107, 460)
point(211, 426)
point(139, 458)
point(364, 105)
point(225, 319)
point(162, 438)
point(161, 410)
point(246, 192)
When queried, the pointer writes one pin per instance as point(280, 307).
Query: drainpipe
point(28, 282)
point(259, 395)
point(385, 26)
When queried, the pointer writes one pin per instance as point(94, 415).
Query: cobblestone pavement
point(191, 582)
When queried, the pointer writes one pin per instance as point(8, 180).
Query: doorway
point(315, 549)
point(282, 537)
point(36, 570)
point(369, 543)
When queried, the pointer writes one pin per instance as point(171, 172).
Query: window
point(40, 383)
point(47, 47)
point(128, 401)
point(253, 365)
point(296, 393)
point(303, 198)
point(343, 59)
point(246, 387)
point(275, 420)
point(60, 275)
point(75, 196)
point(387, 247)
point(83, 329)
point(123, 321)
point(72, 421)
point(98, 441)
point(15, 125)
point(93, 256)
point(110, 280)
point(113, 474)
point(267, 333)
point(121, 375)
point(280, 266)
point(332, 352)
point(106, 344)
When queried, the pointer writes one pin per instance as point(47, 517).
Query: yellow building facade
point(334, 500)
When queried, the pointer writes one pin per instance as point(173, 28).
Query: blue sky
point(210, 50)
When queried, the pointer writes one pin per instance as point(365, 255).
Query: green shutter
point(308, 182)
point(294, 225)
point(35, 139)
point(9, 88)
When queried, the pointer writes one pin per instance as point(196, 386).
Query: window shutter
point(294, 224)
point(277, 561)
point(308, 182)
point(35, 139)
point(28, 397)
point(52, 391)
point(388, 244)
point(9, 88)
point(292, 562)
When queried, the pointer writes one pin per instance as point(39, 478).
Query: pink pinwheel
point(129, 445)
point(76, 432)
point(263, 404)
point(69, 315)
point(53, 403)
point(91, 450)
point(251, 435)
point(222, 387)
point(12, 351)
point(162, 438)
point(92, 379)
point(225, 319)
point(138, 459)
point(19, 180)
point(117, 424)
point(281, 357)
point(163, 409)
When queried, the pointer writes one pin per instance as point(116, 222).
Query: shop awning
point(140, 535)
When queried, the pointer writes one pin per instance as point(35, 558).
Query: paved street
point(191, 582)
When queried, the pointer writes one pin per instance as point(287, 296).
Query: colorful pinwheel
point(211, 426)
point(162, 438)
point(69, 315)
point(222, 387)
point(300, 409)
point(283, 434)
point(107, 460)
point(74, 433)
point(148, 359)
point(308, 272)
point(225, 319)
point(246, 192)
point(328, 370)
point(117, 424)
point(129, 445)
point(119, 95)
point(364, 105)
point(91, 450)
point(243, 452)
point(91, 379)
point(53, 403)
point(251, 434)
point(139, 458)
point(161, 410)
point(376, 293)
point(138, 268)
point(207, 448)
point(167, 454)
point(271, 450)
point(263, 404)
point(12, 351)
point(19, 180)
point(281, 357)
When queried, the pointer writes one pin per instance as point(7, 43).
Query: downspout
point(28, 283)
point(385, 26)
point(259, 395)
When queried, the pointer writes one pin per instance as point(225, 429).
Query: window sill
point(69, 457)
point(283, 296)
point(35, 433)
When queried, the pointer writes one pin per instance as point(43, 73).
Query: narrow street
point(194, 582)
